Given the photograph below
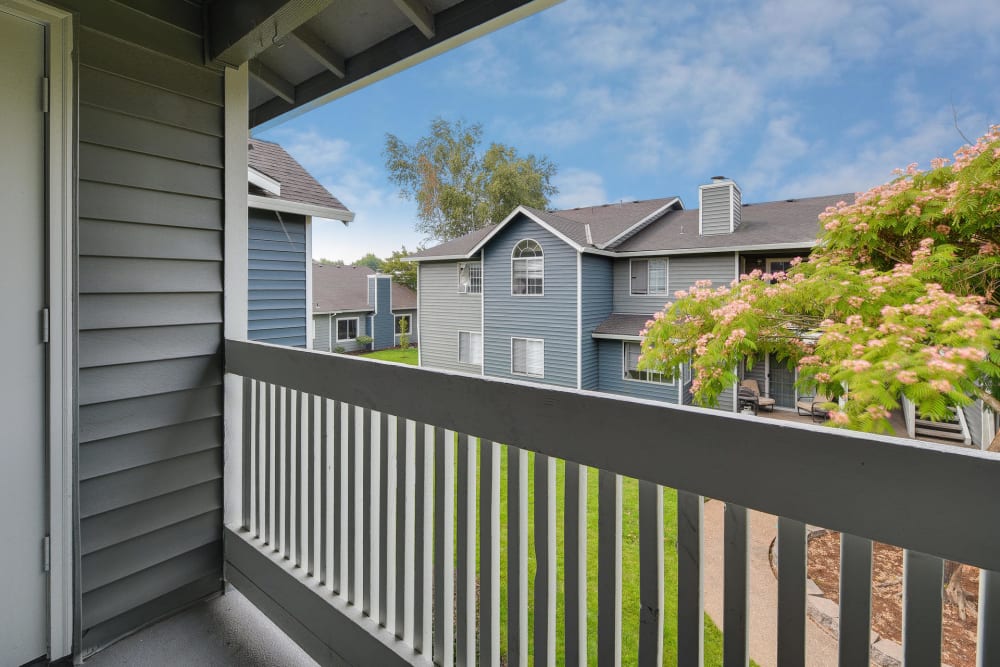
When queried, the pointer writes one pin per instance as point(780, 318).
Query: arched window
point(527, 269)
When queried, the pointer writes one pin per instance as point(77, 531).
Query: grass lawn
point(396, 354)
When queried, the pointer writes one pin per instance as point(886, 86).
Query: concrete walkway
point(821, 648)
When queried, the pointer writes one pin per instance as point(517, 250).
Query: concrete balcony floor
point(227, 630)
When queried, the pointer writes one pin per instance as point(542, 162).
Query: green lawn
point(396, 354)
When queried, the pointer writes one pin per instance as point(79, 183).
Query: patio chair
point(818, 406)
point(747, 399)
point(765, 402)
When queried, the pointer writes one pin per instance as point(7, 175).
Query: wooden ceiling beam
point(419, 15)
point(319, 50)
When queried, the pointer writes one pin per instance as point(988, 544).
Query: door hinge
point(45, 325)
point(46, 554)
point(45, 94)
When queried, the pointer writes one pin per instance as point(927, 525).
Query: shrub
point(339, 349)
point(364, 341)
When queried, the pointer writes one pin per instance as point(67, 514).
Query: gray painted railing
point(359, 525)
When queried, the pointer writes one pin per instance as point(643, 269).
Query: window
point(399, 324)
point(527, 269)
point(470, 347)
point(649, 276)
point(631, 365)
point(470, 278)
point(779, 264)
point(527, 357)
point(347, 329)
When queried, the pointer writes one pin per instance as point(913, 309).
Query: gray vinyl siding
point(640, 304)
point(414, 332)
point(595, 306)
point(757, 373)
point(277, 275)
point(550, 317)
point(684, 271)
point(974, 418)
point(383, 324)
point(443, 312)
point(321, 327)
point(149, 315)
point(612, 376)
point(725, 398)
point(716, 209)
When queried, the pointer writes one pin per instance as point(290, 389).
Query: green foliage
point(363, 340)
point(331, 262)
point(402, 272)
point(404, 333)
point(340, 349)
point(371, 261)
point(459, 187)
point(896, 301)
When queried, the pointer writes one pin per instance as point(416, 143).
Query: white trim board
point(642, 223)
point(285, 206)
point(263, 181)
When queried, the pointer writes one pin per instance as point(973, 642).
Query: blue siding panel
point(596, 304)
point(384, 327)
point(612, 381)
point(277, 275)
point(551, 317)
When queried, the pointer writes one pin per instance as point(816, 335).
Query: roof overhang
point(299, 208)
point(263, 181)
point(305, 53)
point(624, 337)
point(764, 247)
point(521, 210)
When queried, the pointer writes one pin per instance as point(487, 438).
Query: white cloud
point(579, 187)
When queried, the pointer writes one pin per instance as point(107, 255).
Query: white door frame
point(61, 359)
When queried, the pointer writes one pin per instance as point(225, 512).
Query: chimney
point(720, 205)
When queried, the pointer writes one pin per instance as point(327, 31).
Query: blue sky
point(635, 100)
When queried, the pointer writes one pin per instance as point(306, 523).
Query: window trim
point(458, 269)
point(458, 349)
point(625, 369)
point(526, 373)
point(395, 325)
point(768, 260)
point(525, 259)
point(649, 260)
point(357, 328)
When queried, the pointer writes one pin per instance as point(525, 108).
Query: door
point(23, 481)
point(781, 383)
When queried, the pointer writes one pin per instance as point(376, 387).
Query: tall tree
point(458, 186)
point(899, 299)
point(402, 272)
point(370, 260)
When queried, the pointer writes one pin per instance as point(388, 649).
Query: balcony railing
point(360, 523)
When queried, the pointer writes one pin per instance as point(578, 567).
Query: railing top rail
point(915, 495)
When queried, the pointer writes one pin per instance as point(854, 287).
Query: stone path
point(821, 648)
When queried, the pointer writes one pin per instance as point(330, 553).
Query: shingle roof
point(788, 221)
point(297, 184)
point(345, 288)
point(622, 324)
point(606, 222)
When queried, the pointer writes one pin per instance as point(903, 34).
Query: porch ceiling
point(304, 53)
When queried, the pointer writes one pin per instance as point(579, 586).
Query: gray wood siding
point(716, 208)
point(612, 380)
point(757, 373)
point(684, 271)
point(974, 418)
point(277, 275)
point(551, 317)
point(414, 332)
point(321, 330)
point(364, 329)
point(443, 313)
point(645, 304)
point(595, 306)
point(150, 313)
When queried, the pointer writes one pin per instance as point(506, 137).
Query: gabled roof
point(300, 192)
point(791, 222)
point(338, 289)
point(589, 227)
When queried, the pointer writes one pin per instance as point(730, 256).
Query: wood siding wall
point(321, 332)
point(625, 302)
point(150, 314)
point(716, 209)
point(612, 368)
point(443, 313)
point(277, 268)
point(551, 317)
point(685, 271)
point(414, 332)
point(383, 324)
